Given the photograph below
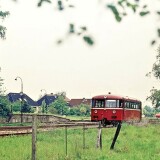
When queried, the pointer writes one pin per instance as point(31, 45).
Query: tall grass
point(133, 143)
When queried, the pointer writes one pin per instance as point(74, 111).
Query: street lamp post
point(21, 93)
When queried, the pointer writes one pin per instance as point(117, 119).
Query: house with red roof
point(77, 102)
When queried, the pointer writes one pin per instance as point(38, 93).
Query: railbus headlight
point(95, 111)
point(114, 111)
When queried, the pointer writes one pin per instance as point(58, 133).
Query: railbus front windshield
point(101, 103)
point(98, 103)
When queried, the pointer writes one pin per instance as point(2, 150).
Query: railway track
point(22, 130)
point(154, 121)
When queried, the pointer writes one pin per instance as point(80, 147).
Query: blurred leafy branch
point(3, 15)
point(119, 8)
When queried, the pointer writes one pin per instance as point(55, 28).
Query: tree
point(84, 110)
point(72, 111)
point(5, 109)
point(1, 84)
point(61, 94)
point(156, 66)
point(52, 110)
point(80, 110)
point(43, 107)
point(155, 93)
point(26, 108)
point(77, 111)
point(59, 104)
point(154, 97)
point(16, 106)
point(148, 111)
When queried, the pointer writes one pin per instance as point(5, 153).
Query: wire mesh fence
point(66, 141)
point(54, 143)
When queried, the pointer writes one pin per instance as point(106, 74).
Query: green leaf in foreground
point(41, 1)
point(71, 28)
point(60, 5)
point(158, 31)
point(153, 42)
point(115, 12)
point(2, 32)
point(4, 14)
point(132, 6)
point(158, 12)
point(84, 28)
point(144, 13)
point(88, 40)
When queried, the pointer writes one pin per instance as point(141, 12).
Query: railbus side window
point(132, 105)
point(127, 105)
point(138, 106)
point(120, 104)
point(117, 105)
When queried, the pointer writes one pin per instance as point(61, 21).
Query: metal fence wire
point(63, 140)
point(66, 141)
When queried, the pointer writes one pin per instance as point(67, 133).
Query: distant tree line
point(150, 111)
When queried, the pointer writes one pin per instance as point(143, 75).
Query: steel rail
point(23, 130)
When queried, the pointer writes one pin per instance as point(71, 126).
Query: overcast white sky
point(117, 63)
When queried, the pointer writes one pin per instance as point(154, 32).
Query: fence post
point(66, 138)
point(83, 136)
point(116, 135)
point(99, 137)
point(34, 136)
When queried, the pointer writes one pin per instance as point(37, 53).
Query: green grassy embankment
point(134, 143)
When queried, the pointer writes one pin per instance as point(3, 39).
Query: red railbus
point(112, 109)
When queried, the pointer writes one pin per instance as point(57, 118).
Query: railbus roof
point(112, 97)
